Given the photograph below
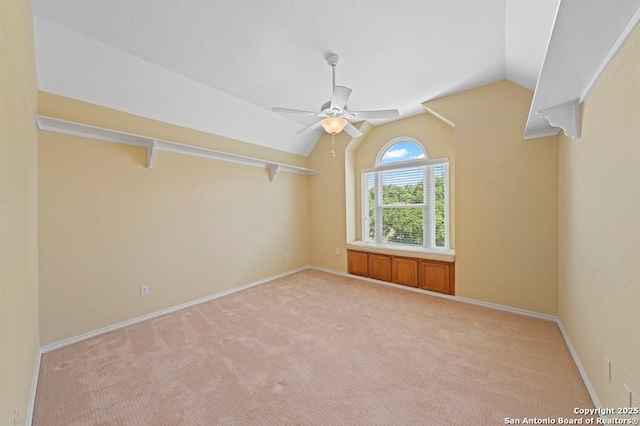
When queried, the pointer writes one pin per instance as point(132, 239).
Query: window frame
point(429, 238)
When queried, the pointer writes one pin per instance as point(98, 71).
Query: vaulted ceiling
point(219, 66)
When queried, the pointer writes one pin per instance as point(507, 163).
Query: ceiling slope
point(586, 35)
point(527, 31)
point(76, 66)
point(220, 66)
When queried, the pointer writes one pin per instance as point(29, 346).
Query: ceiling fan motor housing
point(326, 109)
point(332, 59)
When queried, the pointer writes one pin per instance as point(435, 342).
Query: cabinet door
point(357, 263)
point(380, 267)
point(435, 276)
point(405, 271)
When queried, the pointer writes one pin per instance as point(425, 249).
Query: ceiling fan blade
point(372, 115)
point(340, 97)
point(309, 128)
point(292, 111)
point(352, 130)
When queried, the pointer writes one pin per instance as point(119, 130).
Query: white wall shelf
point(586, 35)
point(152, 145)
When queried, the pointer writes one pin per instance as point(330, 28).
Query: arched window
point(401, 149)
point(405, 198)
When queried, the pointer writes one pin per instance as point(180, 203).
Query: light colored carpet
point(315, 349)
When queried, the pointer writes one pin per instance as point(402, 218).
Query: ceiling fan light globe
point(333, 124)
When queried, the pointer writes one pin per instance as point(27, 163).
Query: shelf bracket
point(273, 171)
point(565, 116)
point(151, 150)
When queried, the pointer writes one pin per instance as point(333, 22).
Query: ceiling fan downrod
point(332, 60)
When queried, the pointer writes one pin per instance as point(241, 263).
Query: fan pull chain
point(333, 144)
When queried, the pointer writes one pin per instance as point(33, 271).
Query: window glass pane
point(403, 225)
point(406, 204)
point(439, 172)
point(402, 151)
point(404, 186)
point(370, 206)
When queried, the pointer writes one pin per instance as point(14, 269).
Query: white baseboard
point(583, 372)
point(444, 296)
point(28, 419)
point(66, 342)
point(119, 325)
point(565, 336)
point(506, 309)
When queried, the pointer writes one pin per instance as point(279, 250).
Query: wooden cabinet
point(434, 276)
point(379, 266)
point(357, 263)
point(405, 271)
point(427, 274)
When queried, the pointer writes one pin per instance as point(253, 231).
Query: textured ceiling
point(394, 54)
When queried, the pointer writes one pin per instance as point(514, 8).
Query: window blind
point(407, 204)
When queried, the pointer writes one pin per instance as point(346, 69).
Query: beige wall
point(190, 227)
point(18, 209)
point(506, 199)
point(335, 190)
point(434, 135)
point(599, 229)
point(327, 204)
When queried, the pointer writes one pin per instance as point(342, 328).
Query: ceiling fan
point(334, 114)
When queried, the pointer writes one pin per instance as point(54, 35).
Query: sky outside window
point(402, 151)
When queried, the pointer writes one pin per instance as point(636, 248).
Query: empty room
point(334, 213)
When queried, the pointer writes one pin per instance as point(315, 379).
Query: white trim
point(273, 171)
point(428, 204)
point(540, 133)
point(576, 360)
point(444, 296)
point(439, 117)
point(530, 130)
point(505, 308)
point(431, 253)
point(576, 25)
point(365, 221)
point(565, 116)
point(447, 229)
point(28, 420)
point(406, 165)
point(117, 326)
point(377, 199)
point(429, 209)
point(151, 151)
point(404, 206)
point(152, 145)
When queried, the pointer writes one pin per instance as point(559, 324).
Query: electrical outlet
point(286, 256)
point(338, 251)
point(628, 397)
point(607, 369)
point(144, 290)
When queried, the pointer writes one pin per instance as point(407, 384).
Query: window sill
point(443, 255)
